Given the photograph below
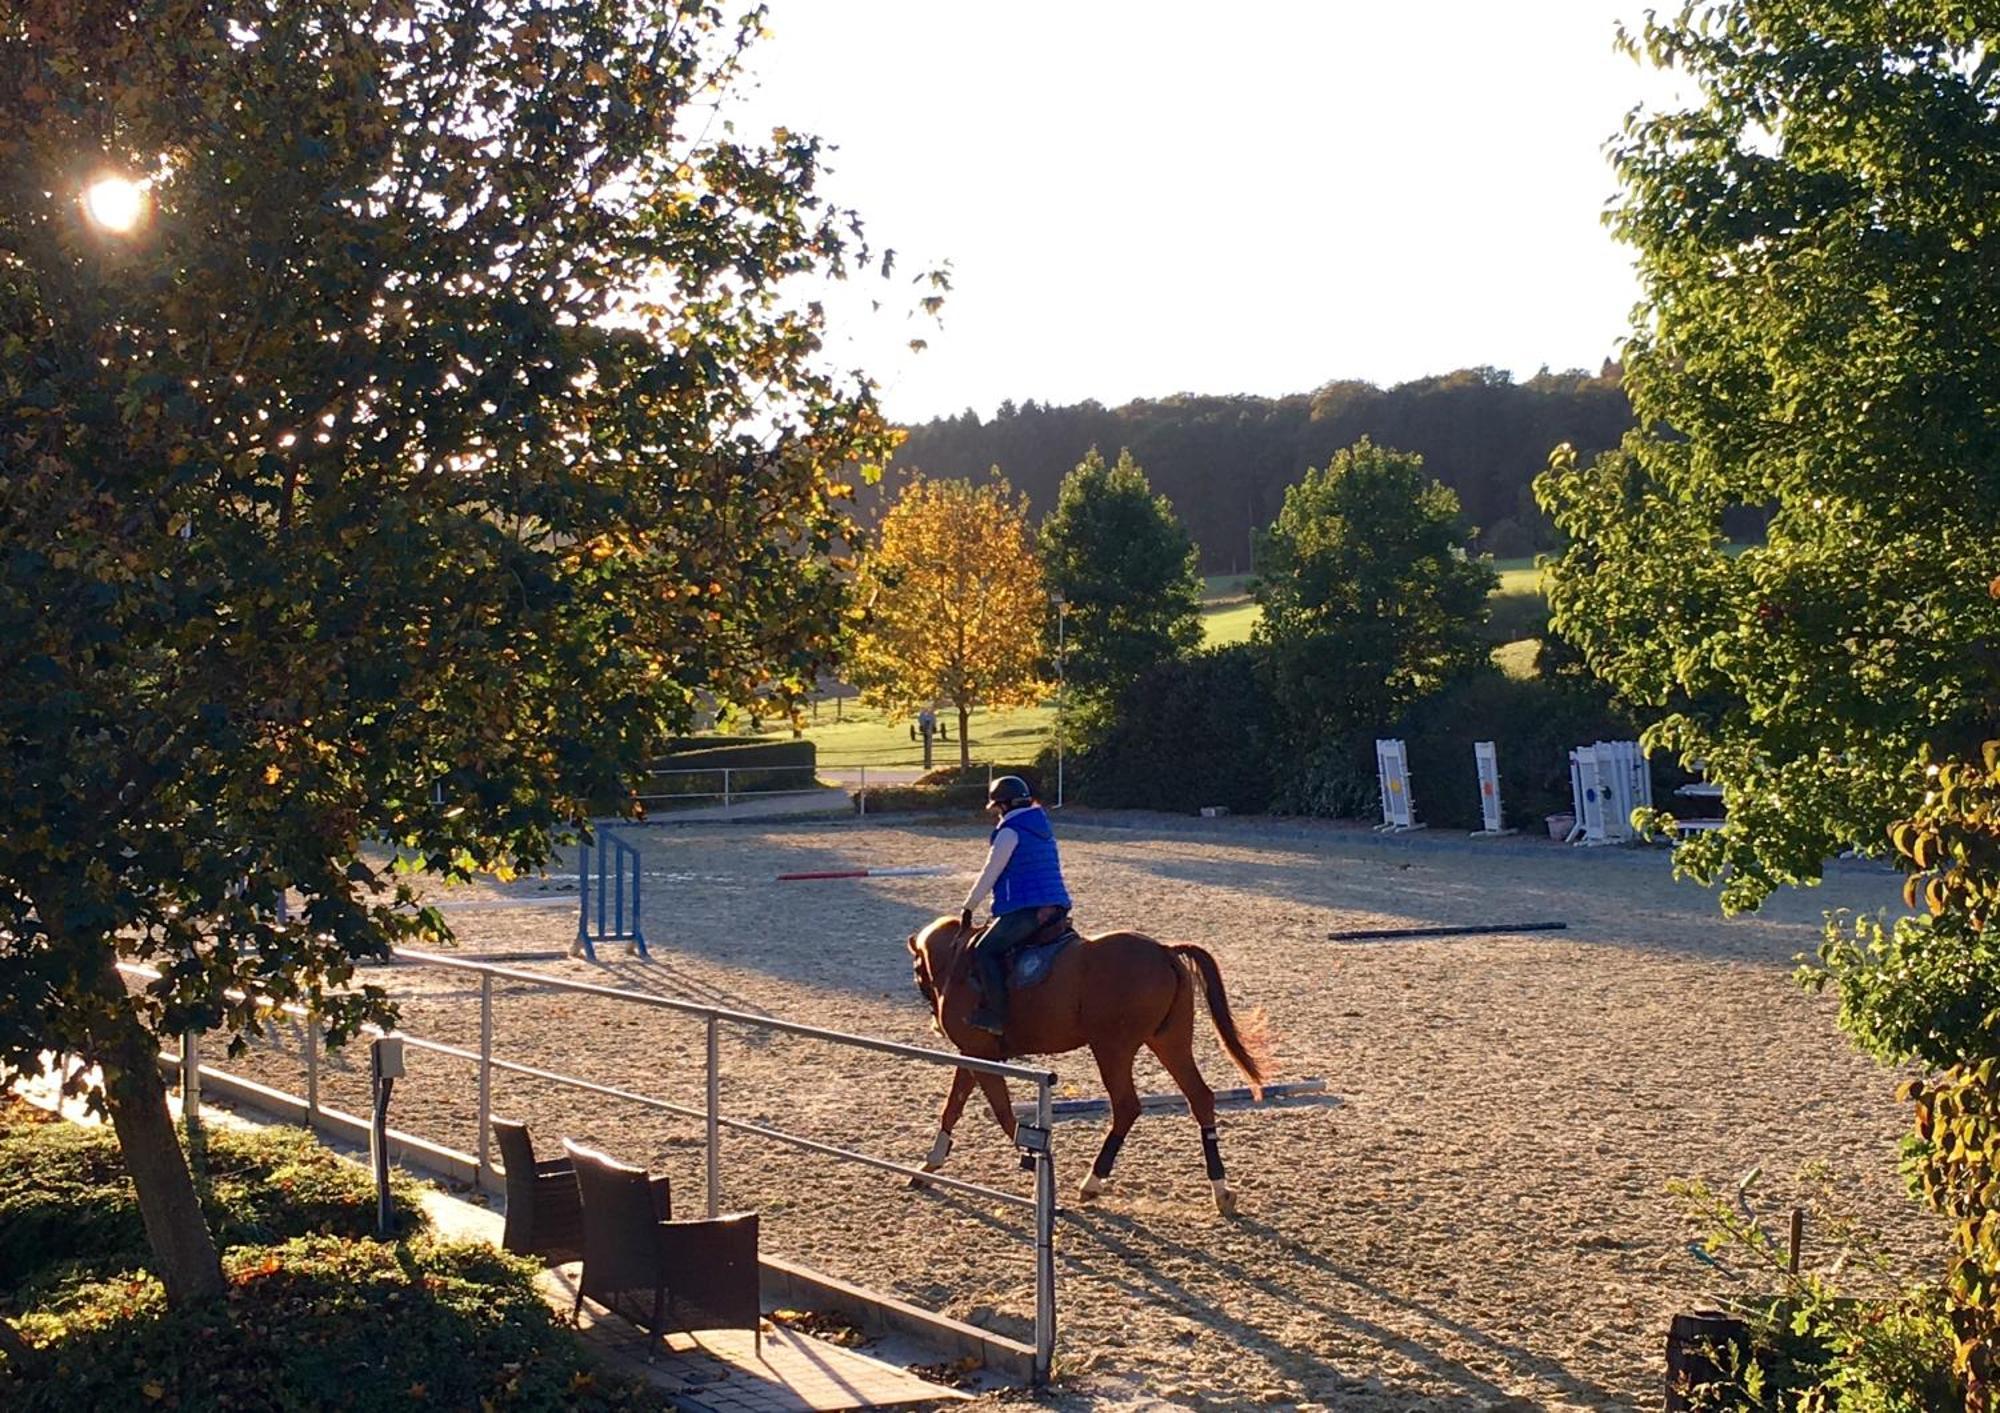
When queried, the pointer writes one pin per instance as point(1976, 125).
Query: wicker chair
point(544, 1214)
point(659, 1273)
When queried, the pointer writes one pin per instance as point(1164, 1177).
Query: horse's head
point(933, 951)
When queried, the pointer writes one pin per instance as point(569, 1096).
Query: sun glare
point(115, 203)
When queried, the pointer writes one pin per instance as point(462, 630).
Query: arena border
point(781, 1281)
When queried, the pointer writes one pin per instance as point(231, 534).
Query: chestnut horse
point(1113, 993)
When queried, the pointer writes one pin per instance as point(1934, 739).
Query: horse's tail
point(1248, 1044)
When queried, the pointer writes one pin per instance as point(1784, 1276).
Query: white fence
point(1036, 1142)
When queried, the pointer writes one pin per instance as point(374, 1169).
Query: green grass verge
point(66, 1203)
point(317, 1322)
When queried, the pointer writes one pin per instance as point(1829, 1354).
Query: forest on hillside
point(1225, 461)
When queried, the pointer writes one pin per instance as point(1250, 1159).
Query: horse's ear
point(911, 943)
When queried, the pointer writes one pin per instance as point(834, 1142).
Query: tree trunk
point(184, 1255)
point(964, 738)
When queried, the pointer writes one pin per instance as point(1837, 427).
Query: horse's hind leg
point(1175, 1050)
point(1114, 1062)
point(954, 1105)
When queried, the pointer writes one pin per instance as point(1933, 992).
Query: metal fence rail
point(729, 778)
point(1039, 1152)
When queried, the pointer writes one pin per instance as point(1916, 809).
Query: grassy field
point(1228, 622)
point(1228, 613)
point(866, 736)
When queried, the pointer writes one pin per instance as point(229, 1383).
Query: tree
point(954, 603)
point(1127, 571)
point(1817, 246)
point(1370, 601)
point(443, 431)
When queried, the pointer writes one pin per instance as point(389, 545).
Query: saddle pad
point(1031, 964)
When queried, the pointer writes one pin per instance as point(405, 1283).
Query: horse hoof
point(1225, 1202)
point(1086, 1193)
point(919, 1182)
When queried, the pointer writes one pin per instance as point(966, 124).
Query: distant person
point(1025, 878)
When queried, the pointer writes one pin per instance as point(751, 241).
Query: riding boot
point(991, 1012)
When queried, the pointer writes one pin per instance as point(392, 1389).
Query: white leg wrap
point(940, 1150)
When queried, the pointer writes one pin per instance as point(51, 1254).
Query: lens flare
point(115, 203)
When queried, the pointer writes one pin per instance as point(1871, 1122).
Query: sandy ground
point(1475, 1217)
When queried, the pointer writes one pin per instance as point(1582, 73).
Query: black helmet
point(1010, 792)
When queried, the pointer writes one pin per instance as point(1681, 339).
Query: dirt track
point(1476, 1214)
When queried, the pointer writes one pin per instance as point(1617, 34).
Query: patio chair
point(659, 1273)
point(544, 1214)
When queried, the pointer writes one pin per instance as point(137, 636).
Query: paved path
point(714, 1371)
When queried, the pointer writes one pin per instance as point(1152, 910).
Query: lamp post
point(1062, 689)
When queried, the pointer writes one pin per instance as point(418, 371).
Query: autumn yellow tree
point(955, 603)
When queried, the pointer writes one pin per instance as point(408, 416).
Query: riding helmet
point(1009, 792)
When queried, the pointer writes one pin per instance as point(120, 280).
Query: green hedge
point(1190, 732)
point(1202, 731)
point(948, 791)
point(317, 1322)
point(65, 1198)
point(753, 765)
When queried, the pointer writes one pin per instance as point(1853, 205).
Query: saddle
point(1032, 960)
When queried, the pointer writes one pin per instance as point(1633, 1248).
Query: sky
point(1140, 199)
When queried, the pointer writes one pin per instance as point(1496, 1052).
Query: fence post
point(725, 787)
point(485, 1078)
point(714, 1123)
point(863, 797)
point(312, 1070)
point(191, 1080)
point(1045, 1237)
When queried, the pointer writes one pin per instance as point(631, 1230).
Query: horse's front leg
point(954, 1105)
point(999, 1100)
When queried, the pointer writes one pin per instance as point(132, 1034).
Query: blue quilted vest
point(1033, 876)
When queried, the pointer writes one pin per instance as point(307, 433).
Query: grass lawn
point(866, 736)
point(1228, 613)
point(1228, 622)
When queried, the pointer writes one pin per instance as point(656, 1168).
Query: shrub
point(1533, 725)
point(65, 1197)
point(753, 765)
point(318, 1322)
point(1814, 1346)
point(1193, 732)
point(1512, 617)
point(952, 789)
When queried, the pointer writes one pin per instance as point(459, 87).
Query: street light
point(1062, 688)
point(117, 204)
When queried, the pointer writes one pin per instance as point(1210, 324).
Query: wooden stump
point(1706, 1349)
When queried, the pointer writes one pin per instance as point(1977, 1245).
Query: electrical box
point(387, 1057)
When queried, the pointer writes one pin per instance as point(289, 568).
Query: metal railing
point(730, 784)
point(1035, 1141)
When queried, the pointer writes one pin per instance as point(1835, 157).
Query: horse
point(1113, 993)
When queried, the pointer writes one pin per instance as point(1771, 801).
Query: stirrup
point(983, 1019)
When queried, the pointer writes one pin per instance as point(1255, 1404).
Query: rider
point(1025, 876)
